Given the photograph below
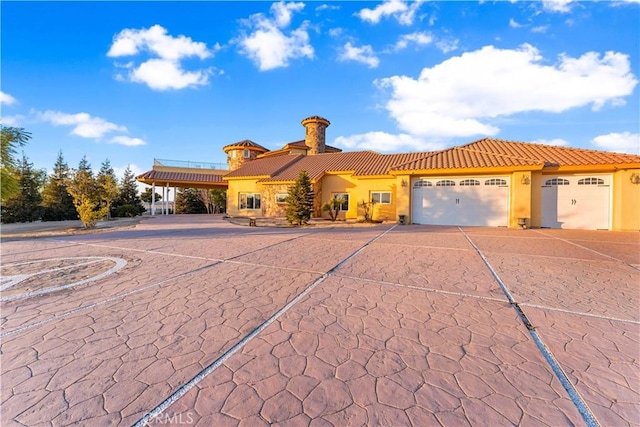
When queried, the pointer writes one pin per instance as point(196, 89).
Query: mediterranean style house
point(489, 182)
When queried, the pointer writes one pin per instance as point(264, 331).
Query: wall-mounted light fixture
point(635, 178)
point(525, 180)
point(403, 182)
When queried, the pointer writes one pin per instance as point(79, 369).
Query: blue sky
point(134, 81)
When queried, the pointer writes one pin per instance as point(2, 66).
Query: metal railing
point(190, 164)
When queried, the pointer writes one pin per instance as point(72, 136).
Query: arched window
point(591, 181)
point(470, 182)
point(421, 183)
point(496, 181)
point(557, 181)
point(445, 183)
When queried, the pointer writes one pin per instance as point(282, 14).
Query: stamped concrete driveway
point(190, 320)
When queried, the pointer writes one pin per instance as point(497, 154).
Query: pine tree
point(107, 185)
point(25, 205)
point(128, 202)
point(300, 200)
point(56, 200)
point(86, 198)
point(188, 202)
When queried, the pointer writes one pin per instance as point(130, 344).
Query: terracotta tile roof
point(244, 144)
point(458, 158)
point(484, 153)
point(178, 177)
point(358, 163)
point(264, 167)
point(490, 152)
point(552, 155)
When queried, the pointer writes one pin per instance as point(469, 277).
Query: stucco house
point(489, 182)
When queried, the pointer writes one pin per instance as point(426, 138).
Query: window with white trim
point(344, 206)
point(382, 197)
point(249, 200)
point(422, 183)
point(496, 181)
point(281, 198)
point(557, 181)
point(591, 181)
point(246, 154)
point(470, 182)
point(445, 183)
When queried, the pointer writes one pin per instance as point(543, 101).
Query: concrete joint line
point(417, 288)
point(579, 313)
point(574, 395)
point(105, 301)
point(588, 249)
point(145, 420)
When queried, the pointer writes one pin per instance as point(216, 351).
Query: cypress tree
point(300, 200)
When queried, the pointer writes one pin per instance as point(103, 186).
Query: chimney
point(314, 137)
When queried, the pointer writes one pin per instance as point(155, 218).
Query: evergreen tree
point(147, 196)
point(56, 200)
point(11, 138)
point(128, 202)
point(300, 200)
point(107, 185)
point(25, 205)
point(83, 188)
point(188, 202)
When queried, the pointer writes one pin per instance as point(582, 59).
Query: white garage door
point(576, 202)
point(461, 201)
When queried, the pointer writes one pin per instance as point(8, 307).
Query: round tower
point(241, 152)
point(315, 135)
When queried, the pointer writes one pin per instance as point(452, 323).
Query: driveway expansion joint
point(576, 398)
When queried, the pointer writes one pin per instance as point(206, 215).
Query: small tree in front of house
point(300, 200)
point(333, 207)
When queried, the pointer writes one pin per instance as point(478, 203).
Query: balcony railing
point(190, 164)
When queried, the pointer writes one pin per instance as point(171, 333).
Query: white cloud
point(7, 99)
point(554, 141)
point(395, 8)
point(419, 38)
point(557, 6)
point(385, 142)
point(327, 7)
point(625, 142)
point(11, 120)
point(514, 24)
point(459, 96)
point(363, 54)
point(161, 74)
point(540, 29)
point(447, 45)
point(127, 140)
point(166, 71)
point(83, 124)
point(335, 32)
point(155, 39)
point(268, 46)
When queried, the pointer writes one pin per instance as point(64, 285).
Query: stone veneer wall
point(238, 160)
point(269, 206)
point(315, 136)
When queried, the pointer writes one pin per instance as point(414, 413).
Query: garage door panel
point(461, 201)
point(576, 202)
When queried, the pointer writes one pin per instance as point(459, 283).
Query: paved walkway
point(189, 320)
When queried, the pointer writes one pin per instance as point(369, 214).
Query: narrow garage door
point(576, 202)
point(461, 201)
